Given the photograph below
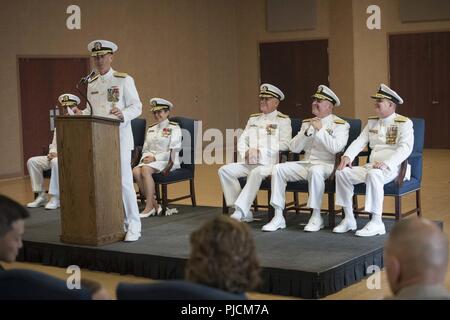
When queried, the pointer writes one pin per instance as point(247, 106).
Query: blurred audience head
point(97, 291)
point(416, 253)
point(12, 226)
point(223, 256)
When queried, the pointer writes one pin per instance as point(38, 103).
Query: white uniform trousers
point(132, 219)
point(233, 194)
point(375, 179)
point(316, 174)
point(36, 167)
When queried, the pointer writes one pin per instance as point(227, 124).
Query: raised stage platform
point(295, 263)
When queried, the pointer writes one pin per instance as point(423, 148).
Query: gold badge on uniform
point(270, 128)
point(113, 94)
point(373, 131)
point(391, 134)
point(330, 131)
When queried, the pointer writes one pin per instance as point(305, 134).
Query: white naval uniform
point(160, 139)
point(391, 140)
point(269, 133)
point(36, 166)
point(320, 149)
point(131, 107)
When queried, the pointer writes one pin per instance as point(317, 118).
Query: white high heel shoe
point(150, 213)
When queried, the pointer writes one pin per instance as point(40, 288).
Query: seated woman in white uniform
point(37, 165)
point(163, 138)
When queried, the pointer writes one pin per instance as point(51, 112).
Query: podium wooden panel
point(89, 180)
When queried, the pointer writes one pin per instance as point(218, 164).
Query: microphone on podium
point(85, 80)
point(88, 77)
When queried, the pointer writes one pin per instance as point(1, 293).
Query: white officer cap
point(270, 91)
point(101, 47)
point(160, 104)
point(384, 92)
point(68, 100)
point(325, 93)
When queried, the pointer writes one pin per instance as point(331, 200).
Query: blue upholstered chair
point(330, 187)
point(173, 290)
point(187, 169)
point(139, 126)
point(398, 188)
point(18, 284)
point(139, 129)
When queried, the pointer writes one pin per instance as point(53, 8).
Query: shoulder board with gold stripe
point(307, 120)
point(174, 123)
point(281, 115)
point(340, 121)
point(94, 78)
point(120, 74)
point(400, 118)
point(374, 118)
point(255, 115)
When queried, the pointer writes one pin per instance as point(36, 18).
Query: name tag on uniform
point(151, 130)
point(94, 92)
point(373, 131)
point(253, 125)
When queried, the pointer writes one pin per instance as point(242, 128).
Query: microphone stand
point(83, 95)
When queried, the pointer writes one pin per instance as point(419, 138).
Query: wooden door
point(297, 68)
point(42, 81)
point(419, 72)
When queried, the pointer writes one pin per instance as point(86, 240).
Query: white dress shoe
point(237, 215)
point(248, 217)
point(371, 229)
point(150, 213)
point(132, 236)
point(52, 204)
point(40, 201)
point(314, 224)
point(276, 223)
point(345, 225)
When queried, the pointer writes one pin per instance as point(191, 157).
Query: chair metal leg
point(331, 211)
point(418, 203)
point(398, 208)
point(271, 210)
point(355, 205)
point(255, 204)
point(158, 193)
point(192, 187)
point(225, 209)
point(296, 204)
point(164, 198)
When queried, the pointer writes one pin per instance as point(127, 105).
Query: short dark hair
point(90, 285)
point(10, 212)
point(223, 256)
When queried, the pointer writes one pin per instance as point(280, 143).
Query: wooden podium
point(89, 180)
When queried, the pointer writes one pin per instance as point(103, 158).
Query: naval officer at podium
point(113, 94)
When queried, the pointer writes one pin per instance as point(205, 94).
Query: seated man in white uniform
point(37, 166)
point(390, 137)
point(163, 137)
point(321, 138)
point(264, 136)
